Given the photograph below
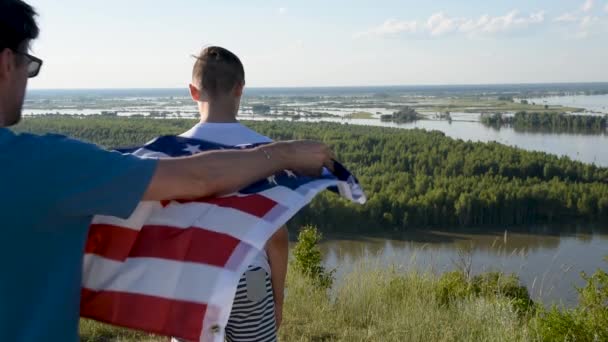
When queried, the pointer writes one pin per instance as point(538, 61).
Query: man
point(218, 79)
point(51, 186)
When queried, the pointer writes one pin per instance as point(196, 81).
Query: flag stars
point(272, 180)
point(192, 149)
point(290, 174)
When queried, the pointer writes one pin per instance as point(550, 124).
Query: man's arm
point(221, 172)
point(277, 249)
point(81, 179)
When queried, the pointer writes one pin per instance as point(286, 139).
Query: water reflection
point(593, 103)
point(548, 259)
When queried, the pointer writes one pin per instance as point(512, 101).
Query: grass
point(488, 106)
point(372, 304)
point(92, 331)
point(360, 115)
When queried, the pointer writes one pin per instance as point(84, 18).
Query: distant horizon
point(348, 86)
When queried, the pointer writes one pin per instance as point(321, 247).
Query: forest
point(548, 122)
point(413, 178)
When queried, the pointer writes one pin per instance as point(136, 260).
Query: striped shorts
point(252, 317)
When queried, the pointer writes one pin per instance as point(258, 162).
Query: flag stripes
point(173, 267)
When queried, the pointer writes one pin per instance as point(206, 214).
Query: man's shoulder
point(51, 141)
point(55, 148)
point(34, 141)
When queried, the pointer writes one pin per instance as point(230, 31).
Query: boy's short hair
point(17, 24)
point(217, 71)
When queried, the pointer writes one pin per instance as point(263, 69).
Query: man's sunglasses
point(33, 64)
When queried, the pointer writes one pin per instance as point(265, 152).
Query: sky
point(149, 44)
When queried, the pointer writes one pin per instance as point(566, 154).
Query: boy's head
point(218, 76)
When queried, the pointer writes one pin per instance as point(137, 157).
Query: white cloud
point(579, 27)
point(585, 26)
point(566, 18)
point(587, 21)
point(391, 27)
point(511, 21)
point(440, 24)
point(282, 10)
point(606, 8)
point(588, 5)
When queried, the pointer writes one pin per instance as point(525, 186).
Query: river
point(548, 259)
point(591, 103)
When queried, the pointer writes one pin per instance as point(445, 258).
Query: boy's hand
point(305, 157)
point(278, 312)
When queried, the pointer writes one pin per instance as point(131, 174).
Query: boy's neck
point(218, 112)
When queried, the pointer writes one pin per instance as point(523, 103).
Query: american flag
point(173, 267)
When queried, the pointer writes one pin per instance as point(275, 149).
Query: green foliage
point(497, 284)
point(308, 259)
point(594, 295)
point(556, 325)
point(452, 286)
point(360, 115)
point(593, 303)
point(405, 114)
point(413, 178)
point(587, 322)
point(549, 122)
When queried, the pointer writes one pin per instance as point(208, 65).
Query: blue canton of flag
point(173, 146)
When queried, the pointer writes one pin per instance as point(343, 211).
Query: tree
point(308, 259)
point(406, 114)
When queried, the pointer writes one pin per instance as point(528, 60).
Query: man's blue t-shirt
point(50, 188)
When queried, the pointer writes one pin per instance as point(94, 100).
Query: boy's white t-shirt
point(231, 134)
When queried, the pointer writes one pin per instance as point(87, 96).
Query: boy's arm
point(277, 249)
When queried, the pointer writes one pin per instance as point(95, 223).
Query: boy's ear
point(6, 62)
point(194, 92)
point(238, 89)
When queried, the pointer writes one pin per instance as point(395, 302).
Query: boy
point(218, 79)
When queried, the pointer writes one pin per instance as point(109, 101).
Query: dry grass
point(382, 305)
point(373, 304)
